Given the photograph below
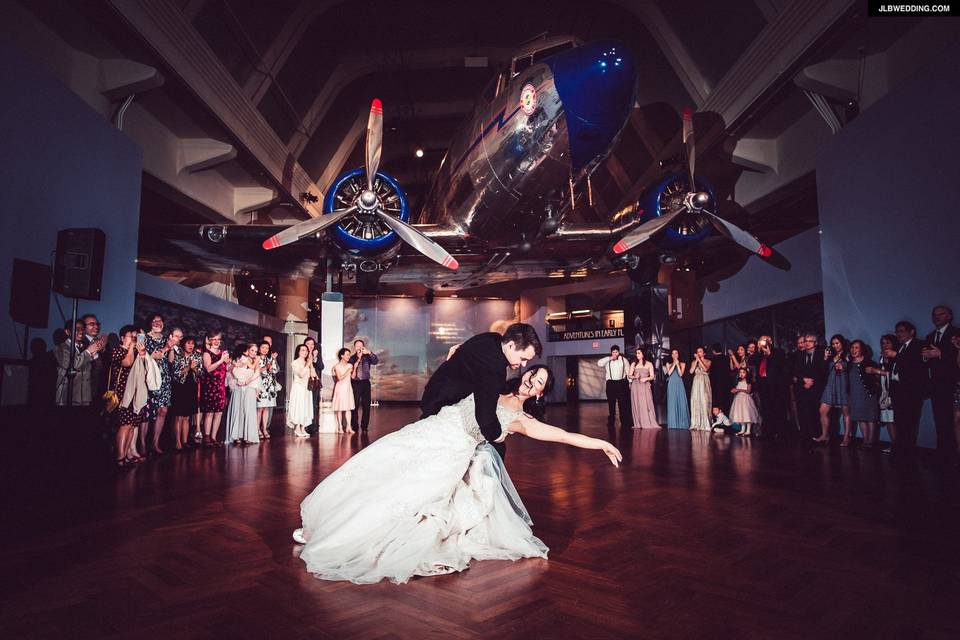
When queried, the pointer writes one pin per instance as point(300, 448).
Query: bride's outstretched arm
point(537, 430)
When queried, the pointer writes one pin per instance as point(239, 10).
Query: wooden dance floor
point(695, 536)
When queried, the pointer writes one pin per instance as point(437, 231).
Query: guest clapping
point(837, 388)
point(343, 403)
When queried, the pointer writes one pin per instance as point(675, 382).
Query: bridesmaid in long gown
point(701, 396)
point(678, 413)
point(300, 406)
point(641, 376)
point(244, 380)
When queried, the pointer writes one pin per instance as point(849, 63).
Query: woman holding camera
point(838, 387)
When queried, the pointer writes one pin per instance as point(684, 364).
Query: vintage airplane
point(541, 128)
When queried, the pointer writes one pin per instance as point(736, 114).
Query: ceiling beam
point(300, 20)
point(357, 67)
point(163, 26)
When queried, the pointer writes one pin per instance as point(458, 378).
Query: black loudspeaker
point(30, 293)
point(78, 270)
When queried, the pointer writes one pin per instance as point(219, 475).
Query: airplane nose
point(597, 84)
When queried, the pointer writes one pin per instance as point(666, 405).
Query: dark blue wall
point(889, 187)
point(62, 165)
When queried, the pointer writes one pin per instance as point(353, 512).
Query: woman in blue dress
point(863, 398)
point(678, 412)
point(838, 386)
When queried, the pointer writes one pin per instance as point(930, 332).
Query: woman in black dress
point(121, 361)
point(187, 362)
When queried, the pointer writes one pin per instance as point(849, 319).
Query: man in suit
point(941, 357)
point(809, 378)
point(98, 371)
point(719, 378)
point(907, 384)
point(772, 387)
point(479, 366)
point(361, 384)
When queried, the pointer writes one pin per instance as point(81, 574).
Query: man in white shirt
point(618, 388)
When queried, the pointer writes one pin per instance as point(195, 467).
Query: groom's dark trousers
point(478, 367)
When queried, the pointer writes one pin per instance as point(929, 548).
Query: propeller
point(695, 202)
point(313, 225)
point(368, 205)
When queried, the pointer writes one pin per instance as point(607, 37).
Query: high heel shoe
point(823, 441)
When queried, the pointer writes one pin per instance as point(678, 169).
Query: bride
point(428, 498)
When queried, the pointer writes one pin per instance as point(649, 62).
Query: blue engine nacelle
point(360, 234)
point(662, 198)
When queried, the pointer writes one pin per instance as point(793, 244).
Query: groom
point(479, 366)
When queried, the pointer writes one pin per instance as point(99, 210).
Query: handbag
point(110, 399)
point(313, 384)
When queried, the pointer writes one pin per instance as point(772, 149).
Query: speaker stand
point(71, 369)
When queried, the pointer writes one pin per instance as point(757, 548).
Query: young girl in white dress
point(342, 403)
point(431, 497)
point(743, 409)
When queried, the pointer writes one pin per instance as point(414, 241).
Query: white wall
point(759, 285)
point(887, 186)
point(62, 165)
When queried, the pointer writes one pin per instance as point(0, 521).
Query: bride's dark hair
point(534, 406)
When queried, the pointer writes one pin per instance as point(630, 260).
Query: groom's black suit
point(479, 367)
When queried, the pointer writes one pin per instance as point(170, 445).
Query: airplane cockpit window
point(521, 64)
point(540, 56)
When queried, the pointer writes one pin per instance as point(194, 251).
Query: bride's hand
point(612, 452)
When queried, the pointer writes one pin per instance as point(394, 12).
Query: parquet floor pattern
point(695, 536)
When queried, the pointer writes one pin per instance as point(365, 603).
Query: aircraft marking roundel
point(528, 99)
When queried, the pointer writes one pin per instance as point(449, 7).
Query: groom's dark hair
point(523, 336)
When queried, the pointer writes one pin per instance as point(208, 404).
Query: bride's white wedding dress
point(423, 500)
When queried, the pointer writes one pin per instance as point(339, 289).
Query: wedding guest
point(743, 409)
point(723, 424)
point(955, 340)
point(343, 403)
point(641, 377)
point(616, 369)
point(300, 406)
point(908, 382)
point(158, 346)
point(809, 379)
point(98, 373)
point(772, 387)
point(363, 359)
point(941, 358)
point(738, 360)
point(864, 396)
point(888, 342)
point(81, 394)
point(213, 388)
point(269, 388)
point(314, 383)
point(678, 413)
point(276, 358)
point(125, 418)
point(701, 398)
point(719, 378)
point(837, 388)
point(186, 366)
point(244, 381)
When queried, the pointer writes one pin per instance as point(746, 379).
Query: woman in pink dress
point(641, 377)
point(342, 403)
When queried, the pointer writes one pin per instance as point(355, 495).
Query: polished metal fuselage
point(504, 171)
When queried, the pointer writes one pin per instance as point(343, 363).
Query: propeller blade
point(747, 241)
point(313, 225)
point(688, 142)
point(374, 140)
point(418, 241)
point(642, 233)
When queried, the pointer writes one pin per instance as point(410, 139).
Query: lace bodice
point(465, 410)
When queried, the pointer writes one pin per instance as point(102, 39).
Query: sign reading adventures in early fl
point(593, 334)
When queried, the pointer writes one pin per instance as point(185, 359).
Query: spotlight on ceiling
point(418, 153)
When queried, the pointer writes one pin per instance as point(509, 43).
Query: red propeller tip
point(620, 247)
point(764, 251)
point(376, 106)
point(687, 113)
point(271, 243)
point(451, 263)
